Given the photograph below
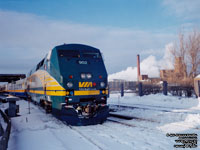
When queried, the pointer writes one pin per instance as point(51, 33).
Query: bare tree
point(179, 52)
point(186, 53)
point(193, 53)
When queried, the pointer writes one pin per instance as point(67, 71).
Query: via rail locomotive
point(70, 82)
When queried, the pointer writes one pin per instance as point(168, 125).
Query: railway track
point(121, 122)
point(141, 107)
point(114, 107)
point(84, 136)
point(119, 119)
point(125, 117)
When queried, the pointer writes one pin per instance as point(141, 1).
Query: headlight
point(69, 84)
point(102, 84)
point(89, 76)
point(83, 76)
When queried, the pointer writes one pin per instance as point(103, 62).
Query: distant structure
point(143, 77)
point(131, 86)
point(166, 75)
point(172, 75)
point(139, 76)
point(138, 67)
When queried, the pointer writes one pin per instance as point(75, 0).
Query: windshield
point(69, 53)
point(77, 54)
point(91, 55)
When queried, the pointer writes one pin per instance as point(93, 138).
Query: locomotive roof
point(76, 47)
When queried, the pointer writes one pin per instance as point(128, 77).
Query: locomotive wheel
point(42, 104)
point(48, 107)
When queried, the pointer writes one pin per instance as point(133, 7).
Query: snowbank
point(155, 100)
point(159, 115)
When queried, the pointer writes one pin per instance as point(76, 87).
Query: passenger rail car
point(17, 88)
point(71, 82)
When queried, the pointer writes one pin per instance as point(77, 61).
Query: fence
point(5, 133)
point(129, 86)
point(142, 88)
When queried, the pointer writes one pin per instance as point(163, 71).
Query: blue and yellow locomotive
point(71, 82)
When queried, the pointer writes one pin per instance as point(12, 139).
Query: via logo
point(85, 84)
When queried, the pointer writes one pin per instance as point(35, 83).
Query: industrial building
point(174, 75)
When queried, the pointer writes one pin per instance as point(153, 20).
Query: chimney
point(138, 67)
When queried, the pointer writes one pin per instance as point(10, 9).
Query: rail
point(5, 133)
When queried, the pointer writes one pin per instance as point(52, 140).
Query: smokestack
point(138, 67)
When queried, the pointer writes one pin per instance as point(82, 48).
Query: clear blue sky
point(120, 28)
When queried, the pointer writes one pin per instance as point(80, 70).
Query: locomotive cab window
point(69, 53)
point(91, 55)
point(40, 64)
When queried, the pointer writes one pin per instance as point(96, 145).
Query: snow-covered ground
point(159, 115)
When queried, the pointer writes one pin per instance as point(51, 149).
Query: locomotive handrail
point(6, 134)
